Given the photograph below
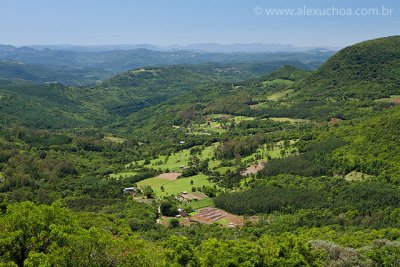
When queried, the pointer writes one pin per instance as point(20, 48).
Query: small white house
point(129, 190)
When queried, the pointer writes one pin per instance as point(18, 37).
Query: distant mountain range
point(80, 65)
point(200, 47)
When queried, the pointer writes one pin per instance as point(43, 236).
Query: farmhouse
point(185, 197)
point(130, 190)
point(182, 213)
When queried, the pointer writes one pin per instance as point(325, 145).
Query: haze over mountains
point(199, 47)
point(89, 64)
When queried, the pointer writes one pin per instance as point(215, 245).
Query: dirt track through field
point(171, 176)
point(253, 169)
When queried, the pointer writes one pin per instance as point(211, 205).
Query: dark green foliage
point(71, 75)
point(239, 147)
point(314, 160)
point(289, 194)
point(174, 223)
point(268, 199)
point(368, 69)
point(296, 165)
point(169, 208)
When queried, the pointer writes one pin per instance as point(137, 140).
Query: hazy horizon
point(226, 22)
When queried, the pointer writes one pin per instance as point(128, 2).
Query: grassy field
point(222, 170)
point(277, 82)
point(203, 203)
point(261, 155)
point(391, 99)
point(290, 120)
point(357, 176)
point(114, 139)
point(178, 159)
point(122, 175)
point(216, 124)
point(211, 127)
point(177, 186)
point(172, 162)
point(279, 95)
point(264, 152)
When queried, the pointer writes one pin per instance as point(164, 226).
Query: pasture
point(276, 96)
point(175, 187)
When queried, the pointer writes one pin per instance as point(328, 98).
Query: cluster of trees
point(52, 235)
point(372, 147)
point(315, 159)
point(336, 195)
point(365, 71)
point(240, 147)
point(268, 199)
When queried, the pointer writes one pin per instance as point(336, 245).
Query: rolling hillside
point(367, 70)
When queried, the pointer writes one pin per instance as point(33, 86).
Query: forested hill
point(369, 69)
point(112, 99)
point(344, 87)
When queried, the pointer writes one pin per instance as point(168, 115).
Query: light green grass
point(177, 186)
point(274, 152)
point(277, 82)
point(181, 158)
point(172, 162)
point(115, 139)
point(261, 155)
point(290, 120)
point(239, 119)
point(223, 221)
point(122, 175)
point(357, 176)
point(217, 124)
point(279, 95)
point(223, 170)
point(392, 98)
point(210, 128)
point(203, 203)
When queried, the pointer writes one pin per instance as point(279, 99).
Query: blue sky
point(167, 22)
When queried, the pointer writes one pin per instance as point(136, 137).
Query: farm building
point(129, 189)
point(185, 197)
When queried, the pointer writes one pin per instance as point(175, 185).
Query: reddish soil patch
point(210, 215)
point(171, 176)
point(253, 169)
point(199, 195)
point(396, 101)
point(335, 120)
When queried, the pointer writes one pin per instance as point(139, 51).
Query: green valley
point(203, 160)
